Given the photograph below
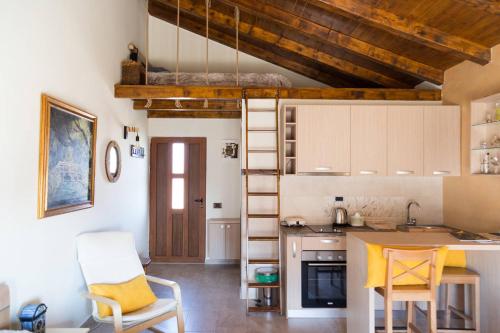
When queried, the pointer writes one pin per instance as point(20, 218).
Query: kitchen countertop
point(305, 231)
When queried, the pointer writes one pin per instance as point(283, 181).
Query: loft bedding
point(220, 79)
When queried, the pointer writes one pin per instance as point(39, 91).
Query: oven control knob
point(341, 257)
point(318, 257)
point(330, 257)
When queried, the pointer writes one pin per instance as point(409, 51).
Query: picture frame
point(66, 176)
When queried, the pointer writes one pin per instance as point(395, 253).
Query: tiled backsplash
point(313, 197)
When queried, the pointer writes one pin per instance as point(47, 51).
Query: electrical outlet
point(217, 204)
point(339, 199)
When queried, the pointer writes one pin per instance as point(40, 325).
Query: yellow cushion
point(377, 266)
point(456, 258)
point(132, 295)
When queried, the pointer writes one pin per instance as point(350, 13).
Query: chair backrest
point(108, 257)
point(4, 307)
point(425, 260)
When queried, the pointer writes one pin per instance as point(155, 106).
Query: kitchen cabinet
point(293, 273)
point(405, 140)
point(442, 140)
point(224, 240)
point(369, 140)
point(323, 139)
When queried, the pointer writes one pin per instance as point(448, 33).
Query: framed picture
point(67, 158)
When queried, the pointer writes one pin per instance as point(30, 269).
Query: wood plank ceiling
point(350, 43)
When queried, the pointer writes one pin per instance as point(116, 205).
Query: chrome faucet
point(411, 220)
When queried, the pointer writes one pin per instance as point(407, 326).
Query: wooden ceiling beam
point(337, 39)
point(258, 33)
point(188, 105)
point(489, 6)
point(408, 28)
point(194, 114)
point(196, 92)
point(295, 64)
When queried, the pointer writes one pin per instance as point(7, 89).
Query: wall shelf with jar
point(485, 136)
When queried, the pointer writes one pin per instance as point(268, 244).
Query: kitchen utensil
point(357, 220)
point(340, 214)
point(295, 221)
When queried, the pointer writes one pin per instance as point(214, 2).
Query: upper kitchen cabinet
point(323, 139)
point(369, 140)
point(405, 140)
point(442, 140)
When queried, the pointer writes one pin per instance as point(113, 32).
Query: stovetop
point(328, 228)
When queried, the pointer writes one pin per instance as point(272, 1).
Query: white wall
point(162, 52)
point(70, 49)
point(223, 174)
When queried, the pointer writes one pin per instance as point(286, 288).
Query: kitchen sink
point(424, 228)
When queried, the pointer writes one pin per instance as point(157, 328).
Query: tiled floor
point(211, 302)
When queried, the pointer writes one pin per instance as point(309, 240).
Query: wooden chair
point(462, 276)
point(425, 292)
point(111, 257)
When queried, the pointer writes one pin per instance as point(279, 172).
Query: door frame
point(153, 200)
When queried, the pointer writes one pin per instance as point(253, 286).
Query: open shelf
point(290, 139)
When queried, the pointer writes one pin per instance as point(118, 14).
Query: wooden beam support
point(188, 105)
point(408, 28)
point(334, 38)
point(294, 63)
point(194, 114)
point(197, 92)
point(489, 6)
point(259, 33)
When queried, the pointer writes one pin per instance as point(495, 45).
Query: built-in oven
point(324, 279)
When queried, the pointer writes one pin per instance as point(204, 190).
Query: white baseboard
point(317, 313)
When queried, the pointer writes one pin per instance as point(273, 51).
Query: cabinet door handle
point(294, 249)
point(323, 168)
point(329, 241)
point(228, 226)
point(405, 172)
point(368, 172)
point(441, 172)
point(222, 226)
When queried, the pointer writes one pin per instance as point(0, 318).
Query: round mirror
point(113, 161)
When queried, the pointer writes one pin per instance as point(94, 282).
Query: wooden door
point(442, 140)
point(323, 138)
point(177, 199)
point(405, 140)
point(369, 140)
point(217, 241)
point(233, 239)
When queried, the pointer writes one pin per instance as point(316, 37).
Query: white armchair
point(111, 257)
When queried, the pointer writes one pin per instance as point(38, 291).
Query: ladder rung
point(263, 285)
point(262, 129)
point(265, 172)
point(262, 110)
point(262, 150)
point(263, 261)
point(263, 216)
point(262, 194)
point(263, 238)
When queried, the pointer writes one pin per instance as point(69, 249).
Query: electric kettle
point(340, 216)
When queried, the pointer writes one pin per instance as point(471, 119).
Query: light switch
point(217, 204)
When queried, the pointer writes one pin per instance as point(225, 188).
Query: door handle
point(405, 172)
point(441, 172)
point(368, 172)
point(200, 200)
point(329, 241)
point(294, 249)
point(228, 226)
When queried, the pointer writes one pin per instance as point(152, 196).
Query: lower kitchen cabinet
point(293, 273)
point(224, 240)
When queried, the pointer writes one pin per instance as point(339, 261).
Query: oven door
point(323, 284)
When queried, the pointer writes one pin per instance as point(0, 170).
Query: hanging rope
point(178, 102)
point(237, 27)
point(207, 6)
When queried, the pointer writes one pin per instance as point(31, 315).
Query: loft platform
point(153, 92)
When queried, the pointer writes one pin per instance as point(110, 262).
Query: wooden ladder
point(256, 217)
